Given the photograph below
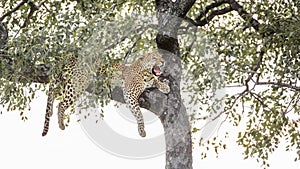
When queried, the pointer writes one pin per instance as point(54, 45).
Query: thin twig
point(223, 121)
point(232, 86)
point(239, 95)
point(258, 98)
point(255, 69)
point(132, 46)
point(290, 103)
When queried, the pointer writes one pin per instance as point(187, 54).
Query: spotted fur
point(72, 82)
point(69, 85)
point(136, 78)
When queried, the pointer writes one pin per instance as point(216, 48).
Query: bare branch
point(239, 95)
point(293, 100)
point(234, 86)
point(255, 69)
point(297, 88)
point(13, 10)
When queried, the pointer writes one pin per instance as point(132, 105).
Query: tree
point(256, 44)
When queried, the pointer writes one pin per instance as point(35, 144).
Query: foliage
point(224, 52)
point(263, 69)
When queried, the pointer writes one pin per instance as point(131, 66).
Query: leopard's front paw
point(167, 89)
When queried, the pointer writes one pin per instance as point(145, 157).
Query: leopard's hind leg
point(67, 101)
point(131, 100)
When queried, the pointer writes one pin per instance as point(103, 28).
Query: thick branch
point(202, 19)
point(26, 74)
point(210, 17)
point(244, 14)
point(208, 8)
point(151, 99)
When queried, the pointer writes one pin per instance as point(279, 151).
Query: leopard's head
point(153, 61)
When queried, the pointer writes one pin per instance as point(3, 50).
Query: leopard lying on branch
point(138, 76)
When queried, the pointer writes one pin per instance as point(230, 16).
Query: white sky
point(22, 146)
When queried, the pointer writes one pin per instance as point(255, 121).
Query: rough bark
point(175, 120)
point(3, 36)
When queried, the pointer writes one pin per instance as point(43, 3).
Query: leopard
point(68, 85)
point(141, 74)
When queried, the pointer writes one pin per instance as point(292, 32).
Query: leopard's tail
point(49, 110)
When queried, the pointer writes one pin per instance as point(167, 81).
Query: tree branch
point(255, 69)
point(13, 10)
point(151, 99)
point(208, 8)
point(261, 100)
point(239, 95)
point(297, 88)
point(202, 19)
point(210, 17)
point(244, 14)
point(33, 8)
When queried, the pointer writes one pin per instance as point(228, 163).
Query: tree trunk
point(175, 119)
